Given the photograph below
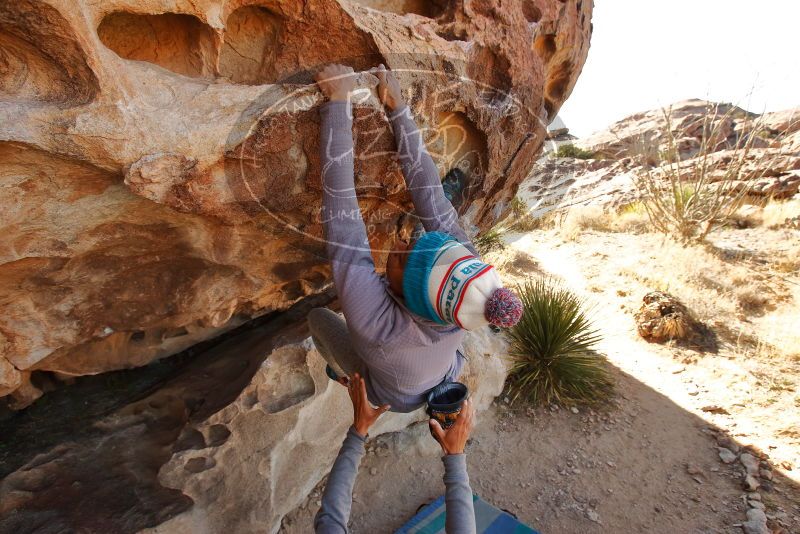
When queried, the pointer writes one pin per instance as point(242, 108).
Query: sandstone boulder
point(643, 133)
point(783, 122)
point(634, 146)
point(10, 377)
point(232, 443)
point(558, 183)
point(158, 159)
point(792, 142)
point(285, 431)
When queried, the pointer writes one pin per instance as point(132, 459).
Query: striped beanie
point(444, 282)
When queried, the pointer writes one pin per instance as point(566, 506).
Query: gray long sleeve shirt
point(337, 499)
point(405, 355)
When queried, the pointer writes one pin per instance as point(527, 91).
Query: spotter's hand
point(364, 415)
point(454, 439)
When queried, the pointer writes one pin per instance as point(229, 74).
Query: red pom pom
point(503, 309)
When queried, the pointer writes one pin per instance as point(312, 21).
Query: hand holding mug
point(454, 439)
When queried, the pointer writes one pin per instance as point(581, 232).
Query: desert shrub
point(754, 299)
point(776, 212)
point(636, 208)
point(551, 348)
point(787, 266)
point(569, 150)
point(789, 260)
point(631, 218)
point(520, 218)
point(690, 198)
point(490, 240)
point(580, 218)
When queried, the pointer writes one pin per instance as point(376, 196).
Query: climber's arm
point(422, 178)
point(362, 293)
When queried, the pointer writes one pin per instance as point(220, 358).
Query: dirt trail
point(621, 471)
point(753, 408)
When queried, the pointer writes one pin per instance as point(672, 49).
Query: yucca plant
point(490, 240)
point(551, 349)
point(634, 208)
point(520, 218)
point(569, 150)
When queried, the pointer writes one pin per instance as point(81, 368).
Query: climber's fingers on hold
point(333, 71)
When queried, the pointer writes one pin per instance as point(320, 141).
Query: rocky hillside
point(613, 157)
point(159, 165)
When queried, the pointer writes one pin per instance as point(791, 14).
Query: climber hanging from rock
point(402, 331)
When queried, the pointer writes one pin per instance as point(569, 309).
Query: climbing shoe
point(454, 186)
point(331, 374)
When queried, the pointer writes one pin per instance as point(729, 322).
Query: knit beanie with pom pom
point(446, 283)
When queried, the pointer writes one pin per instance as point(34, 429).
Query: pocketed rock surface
point(231, 441)
point(159, 159)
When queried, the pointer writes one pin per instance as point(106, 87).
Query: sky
point(646, 54)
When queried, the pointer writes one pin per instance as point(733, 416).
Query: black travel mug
point(445, 402)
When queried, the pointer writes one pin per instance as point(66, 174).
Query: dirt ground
point(649, 461)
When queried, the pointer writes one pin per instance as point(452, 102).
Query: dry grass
point(755, 299)
point(528, 223)
point(490, 240)
point(778, 329)
point(521, 218)
point(787, 261)
point(581, 218)
point(715, 290)
point(771, 214)
point(632, 218)
point(789, 264)
point(755, 349)
point(778, 368)
point(776, 212)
